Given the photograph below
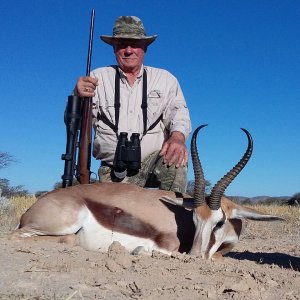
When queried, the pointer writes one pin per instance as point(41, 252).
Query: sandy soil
point(265, 265)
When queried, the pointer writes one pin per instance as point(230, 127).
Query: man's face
point(130, 54)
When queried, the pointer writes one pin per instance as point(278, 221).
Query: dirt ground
point(264, 265)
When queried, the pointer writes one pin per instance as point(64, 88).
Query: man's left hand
point(174, 150)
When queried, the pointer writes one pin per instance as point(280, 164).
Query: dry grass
point(289, 227)
point(291, 214)
point(10, 216)
point(21, 204)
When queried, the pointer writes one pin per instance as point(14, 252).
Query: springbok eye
point(219, 224)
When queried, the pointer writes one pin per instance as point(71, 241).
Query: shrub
point(11, 191)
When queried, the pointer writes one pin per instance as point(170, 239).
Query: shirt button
point(131, 111)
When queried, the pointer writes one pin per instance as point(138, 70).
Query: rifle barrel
point(88, 64)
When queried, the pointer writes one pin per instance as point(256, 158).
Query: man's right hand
point(85, 87)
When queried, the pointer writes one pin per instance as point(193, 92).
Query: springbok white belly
point(96, 237)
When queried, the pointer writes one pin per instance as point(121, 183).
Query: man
point(134, 98)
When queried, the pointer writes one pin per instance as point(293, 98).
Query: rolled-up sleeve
point(176, 116)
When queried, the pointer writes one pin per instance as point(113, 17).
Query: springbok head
point(217, 220)
point(209, 217)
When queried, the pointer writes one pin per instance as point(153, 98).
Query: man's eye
point(121, 46)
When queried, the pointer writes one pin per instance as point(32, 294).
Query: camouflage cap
point(128, 27)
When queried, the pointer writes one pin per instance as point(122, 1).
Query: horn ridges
point(199, 186)
point(220, 187)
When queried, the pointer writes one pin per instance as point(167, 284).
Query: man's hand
point(174, 150)
point(85, 87)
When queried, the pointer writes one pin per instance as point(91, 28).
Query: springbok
point(139, 218)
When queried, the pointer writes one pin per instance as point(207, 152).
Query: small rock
point(119, 255)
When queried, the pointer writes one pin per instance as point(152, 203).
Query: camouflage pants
point(153, 174)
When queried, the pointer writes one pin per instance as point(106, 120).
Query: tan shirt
point(164, 96)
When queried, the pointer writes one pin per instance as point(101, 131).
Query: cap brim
point(110, 39)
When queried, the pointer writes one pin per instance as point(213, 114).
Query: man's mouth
point(128, 57)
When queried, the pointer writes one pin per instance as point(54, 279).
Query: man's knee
point(180, 180)
point(104, 174)
point(170, 178)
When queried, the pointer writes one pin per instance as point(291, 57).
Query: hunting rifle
point(78, 120)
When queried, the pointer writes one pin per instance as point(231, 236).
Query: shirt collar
point(124, 77)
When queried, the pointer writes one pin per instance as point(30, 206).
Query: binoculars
point(128, 154)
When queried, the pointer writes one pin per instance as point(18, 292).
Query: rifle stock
point(85, 142)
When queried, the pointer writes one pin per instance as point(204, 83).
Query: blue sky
point(238, 63)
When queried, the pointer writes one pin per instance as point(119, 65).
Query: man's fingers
point(86, 86)
point(89, 79)
point(176, 156)
point(174, 152)
point(164, 149)
point(185, 159)
point(180, 159)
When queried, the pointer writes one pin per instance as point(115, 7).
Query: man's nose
point(128, 49)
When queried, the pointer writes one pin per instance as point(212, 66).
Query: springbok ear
point(241, 212)
point(187, 203)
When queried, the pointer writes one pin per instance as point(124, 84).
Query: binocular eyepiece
point(128, 154)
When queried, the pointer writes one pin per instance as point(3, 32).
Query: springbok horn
point(199, 186)
point(218, 190)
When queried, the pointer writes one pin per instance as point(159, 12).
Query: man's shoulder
point(161, 75)
point(105, 70)
point(159, 71)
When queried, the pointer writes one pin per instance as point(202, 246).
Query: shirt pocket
point(155, 100)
